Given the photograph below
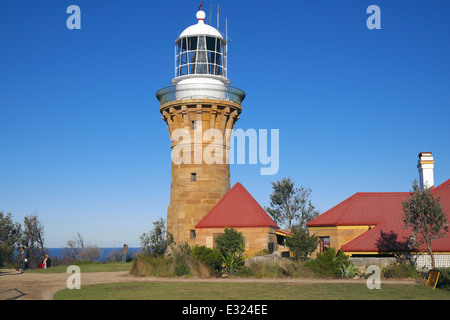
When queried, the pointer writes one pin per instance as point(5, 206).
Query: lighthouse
point(200, 109)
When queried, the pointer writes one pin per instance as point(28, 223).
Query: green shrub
point(181, 268)
point(178, 263)
point(151, 265)
point(261, 269)
point(209, 257)
point(230, 241)
point(231, 245)
point(348, 270)
point(328, 263)
point(300, 270)
point(400, 271)
point(245, 272)
point(275, 269)
point(444, 278)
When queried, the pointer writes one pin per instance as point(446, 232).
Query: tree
point(10, 238)
point(424, 213)
point(34, 238)
point(231, 245)
point(157, 240)
point(76, 250)
point(289, 205)
point(301, 244)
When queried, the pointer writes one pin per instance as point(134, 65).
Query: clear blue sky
point(83, 144)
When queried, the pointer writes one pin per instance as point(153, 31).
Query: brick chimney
point(426, 167)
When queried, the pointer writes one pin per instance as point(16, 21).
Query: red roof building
point(370, 223)
point(239, 210)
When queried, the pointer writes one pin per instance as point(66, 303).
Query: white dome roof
point(200, 28)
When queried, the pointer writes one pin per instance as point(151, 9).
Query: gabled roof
point(383, 211)
point(361, 209)
point(237, 209)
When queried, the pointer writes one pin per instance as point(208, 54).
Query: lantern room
point(201, 67)
point(200, 51)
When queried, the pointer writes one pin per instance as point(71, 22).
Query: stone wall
point(339, 235)
point(196, 183)
point(363, 263)
point(256, 238)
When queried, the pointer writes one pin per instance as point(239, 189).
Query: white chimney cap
point(426, 170)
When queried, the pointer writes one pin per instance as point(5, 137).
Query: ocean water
point(57, 252)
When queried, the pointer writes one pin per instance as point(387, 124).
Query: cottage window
point(324, 243)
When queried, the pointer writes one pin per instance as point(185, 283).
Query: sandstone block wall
point(192, 196)
point(256, 238)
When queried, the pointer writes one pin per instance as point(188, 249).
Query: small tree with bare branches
point(77, 250)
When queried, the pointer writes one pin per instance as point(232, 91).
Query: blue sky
point(83, 144)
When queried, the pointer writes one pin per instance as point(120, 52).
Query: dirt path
point(35, 286)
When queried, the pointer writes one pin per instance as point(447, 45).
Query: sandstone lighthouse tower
point(200, 109)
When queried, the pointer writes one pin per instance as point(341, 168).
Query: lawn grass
point(89, 267)
point(246, 291)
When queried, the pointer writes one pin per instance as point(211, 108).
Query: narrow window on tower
point(192, 234)
point(194, 125)
point(193, 177)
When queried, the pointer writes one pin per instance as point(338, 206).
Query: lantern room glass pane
point(211, 43)
point(199, 55)
point(192, 43)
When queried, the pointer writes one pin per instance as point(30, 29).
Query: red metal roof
point(383, 211)
point(237, 209)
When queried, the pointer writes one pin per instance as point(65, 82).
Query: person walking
point(25, 258)
point(124, 253)
point(20, 259)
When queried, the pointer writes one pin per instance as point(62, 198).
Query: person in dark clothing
point(25, 258)
point(19, 259)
